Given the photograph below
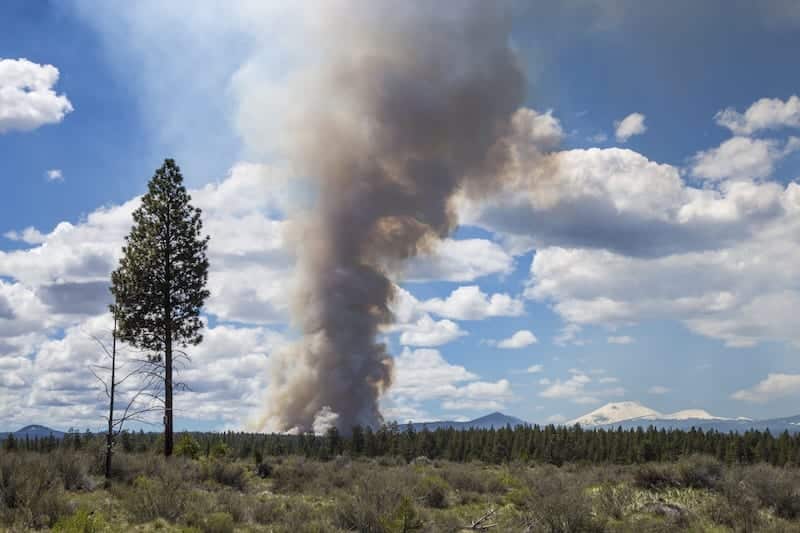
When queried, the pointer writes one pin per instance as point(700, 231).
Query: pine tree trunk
point(168, 396)
point(110, 434)
point(168, 344)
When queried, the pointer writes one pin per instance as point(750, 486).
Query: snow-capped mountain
point(699, 414)
point(612, 413)
point(628, 412)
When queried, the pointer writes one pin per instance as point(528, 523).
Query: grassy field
point(63, 491)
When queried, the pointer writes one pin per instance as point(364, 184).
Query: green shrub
point(227, 474)
point(558, 503)
point(374, 498)
point(218, 523)
point(403, 519)
point(653, 476)
point(351, 514)
point(295, 475)
point(263, 470)
point(82, 521)
point(187, 446)
point(235, 504)
point(776, 488)
point(220, 450)
point(266, 511)
point(700, 472)
point(737, 510)
point(614, 501)
point(466, 478)
point(31, 491)
point(148, 499)
point(432, 491)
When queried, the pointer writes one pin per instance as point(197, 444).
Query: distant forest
point(535, 444)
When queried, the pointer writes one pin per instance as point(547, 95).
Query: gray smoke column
point(410, 104)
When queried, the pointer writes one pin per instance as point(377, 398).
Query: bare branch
point(480, 524)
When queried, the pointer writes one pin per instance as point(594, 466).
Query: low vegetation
point(211, 489)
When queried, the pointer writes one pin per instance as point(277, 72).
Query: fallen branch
point(480, 524)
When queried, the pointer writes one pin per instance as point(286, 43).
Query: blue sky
point(704, 213)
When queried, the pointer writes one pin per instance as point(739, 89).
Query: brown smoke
point(411, 103)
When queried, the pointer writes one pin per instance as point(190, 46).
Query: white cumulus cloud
point(773, 387)
point(471, 303)
point(54, 174)
point(423, 375)
point(621, 339)
point(520, 339)
point(629, 126)
point(765, 114)
point(579, 388)
point(742, 158)
point(27, 98)
point(460, 260)
point(429, 332)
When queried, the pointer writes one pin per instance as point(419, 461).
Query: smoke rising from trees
point(411, 105)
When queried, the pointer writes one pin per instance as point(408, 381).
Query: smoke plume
point(411, 104)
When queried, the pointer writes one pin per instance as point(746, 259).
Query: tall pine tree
point(160, 285)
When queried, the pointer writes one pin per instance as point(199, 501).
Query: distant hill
point(494, 420)
point(34, 431)
point(631, 415)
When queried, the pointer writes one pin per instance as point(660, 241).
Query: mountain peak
point(701, 414)
point(614, 412)
point(33, 427)
point(499, 419)
point(494, 420)
point(633, 412)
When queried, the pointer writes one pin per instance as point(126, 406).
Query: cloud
point(534, 369)
point(621, 339)
point(54, 174)
point(658, 389)
point(569, 335)
point(764, 114)
point(58, 387)
point(629, 126)
point(460, 260)
point(6, 311)
point(29, 235)
point(76, 298)
point(470, 303)
point(429, 332)
point(424, 375)
point(734, 294)
point(578, 388)
point(742, 158)
point(520, 339)
point(24, 314)
point(27, 98)
point(555, 419)
point(617, 199)
point(542, 130)
point(715, 271)
point(774, 386)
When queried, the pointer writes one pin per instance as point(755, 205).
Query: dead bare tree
point(139, 401)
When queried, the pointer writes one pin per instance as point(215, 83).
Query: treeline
point(537, 444)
